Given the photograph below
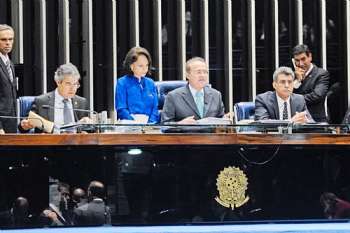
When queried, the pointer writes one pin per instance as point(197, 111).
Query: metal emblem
point(232, 184)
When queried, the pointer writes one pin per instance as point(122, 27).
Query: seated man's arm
point(261, 112)
point(168, 112)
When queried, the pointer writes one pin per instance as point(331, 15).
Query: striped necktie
point(9, 70)
point(285, 111)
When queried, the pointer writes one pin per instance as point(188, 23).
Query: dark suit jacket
point(180, 104)
point(95, 212)
point(314, 89)
point(7, 99)
point(266, 105)
point(49, 99)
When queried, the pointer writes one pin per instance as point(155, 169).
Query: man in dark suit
point(95, 212)
point(197, 100)
point(7, 81)
point(311, 81)
point(62, 101)
point(281, 104)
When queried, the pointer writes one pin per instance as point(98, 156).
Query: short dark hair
point(97, 189)
point(133, 55)
point(301, 48)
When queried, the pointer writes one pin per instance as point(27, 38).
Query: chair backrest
point(164, 87)
point(24, 104)
point(244, 111)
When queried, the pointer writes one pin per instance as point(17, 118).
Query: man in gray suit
point(282, 104)
point(196, 100)
point(62, 104)
point(7, 81)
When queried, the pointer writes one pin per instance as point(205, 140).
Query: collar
point(309, 70)
point(281, 101)
point(194, 91)
point(60, 98)
point(4, 58)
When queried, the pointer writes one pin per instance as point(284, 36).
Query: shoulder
point(178, 91)
point(149, 80)
point(265, 95)
point(80, 98)
point(45, 96)
point(211, 90)
point(123, 80)
point(298, 97)
point(320, 71)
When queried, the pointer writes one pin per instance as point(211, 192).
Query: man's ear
point(274, 85)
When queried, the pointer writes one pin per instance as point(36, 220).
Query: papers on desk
point(214, 121)
point(40, 122)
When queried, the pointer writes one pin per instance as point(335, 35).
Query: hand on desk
point(86, 120)
point(188, 120)
point(26, 125)
point(300, 118)
point(2, 131)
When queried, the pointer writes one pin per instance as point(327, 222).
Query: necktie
point(9, 70)
point(199, 102)
point(67, 116)
point(285, 111)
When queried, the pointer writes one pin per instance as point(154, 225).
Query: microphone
point(46, 106)
point(21, 118)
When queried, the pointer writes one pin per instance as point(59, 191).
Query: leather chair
point(164, 87)
point(244, 111)
point(24, 104)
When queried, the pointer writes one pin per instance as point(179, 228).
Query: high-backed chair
point(24, 104)
point(244, 111)
point(164, 87)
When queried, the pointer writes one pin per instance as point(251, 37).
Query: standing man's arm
point(320, 91)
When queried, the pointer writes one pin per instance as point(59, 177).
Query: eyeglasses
point(68, 84)
point(285, 82)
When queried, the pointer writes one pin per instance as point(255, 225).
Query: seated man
point(197, 100)
point(62, 104)
point(281, 104)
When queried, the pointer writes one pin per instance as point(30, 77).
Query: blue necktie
point(199, 100)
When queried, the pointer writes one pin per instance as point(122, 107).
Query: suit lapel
point(207, 100)
point(51, 113)
point(188, 98)
point(4, 69)
point(275, 106)
point(75, 105)
point(292, 106)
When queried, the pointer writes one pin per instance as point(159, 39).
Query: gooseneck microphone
point(21, 118)
point(46, 106)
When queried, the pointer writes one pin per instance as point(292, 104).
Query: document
point(40, 122)
point(214, 121)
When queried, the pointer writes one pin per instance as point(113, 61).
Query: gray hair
point(4, 27)
point(66, 69)
point(190, 61)
point(283, 70)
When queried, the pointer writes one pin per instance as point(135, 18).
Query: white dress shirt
point(59, 105)
point(280, 102)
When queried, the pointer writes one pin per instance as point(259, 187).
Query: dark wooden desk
point(172, 139)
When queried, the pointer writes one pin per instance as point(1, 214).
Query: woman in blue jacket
point(136, 92)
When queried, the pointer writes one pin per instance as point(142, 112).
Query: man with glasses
point(281, 104)
point(61, 106)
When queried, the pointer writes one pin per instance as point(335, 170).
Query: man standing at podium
point(281, 104)
point(196, 100)
point(61, 106)
point(7, 82)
